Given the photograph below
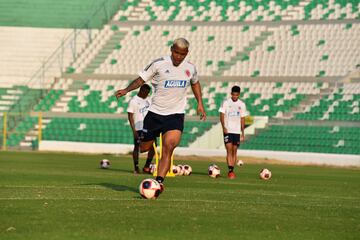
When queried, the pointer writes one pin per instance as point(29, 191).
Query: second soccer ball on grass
point(104, 164)
point(187, 170)
point(239, 163)
point(214, 171)
point(265, 174)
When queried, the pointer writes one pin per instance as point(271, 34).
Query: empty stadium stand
point(311, 50)
point(238, 10)
point(342, 140)
point(108, 130)
point(292, 58)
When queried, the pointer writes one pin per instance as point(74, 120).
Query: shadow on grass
point(115, 187)
point(199, 173)
point(119, 170)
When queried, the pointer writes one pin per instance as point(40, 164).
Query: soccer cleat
point(231, 175)
point(146, 170)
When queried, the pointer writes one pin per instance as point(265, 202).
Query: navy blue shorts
point(232, 138)
point(154, 124)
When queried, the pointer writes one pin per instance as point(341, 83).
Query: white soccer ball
point(149, 188)
point(105, 164)
point(239, 163)
point(152, 167)
point(214, 171)
point(265, 174)
point(176, 170)
point(187, 170)
point(181, 170)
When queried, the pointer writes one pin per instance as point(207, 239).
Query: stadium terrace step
point(243, 55)
point(284, 50)
point(11, 97)
point(107, 48)
point(238, 11)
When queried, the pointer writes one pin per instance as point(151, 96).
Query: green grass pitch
point(67, 196)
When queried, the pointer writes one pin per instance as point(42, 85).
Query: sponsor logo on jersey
point(144, 109)
point(175, 84)
point(233, 114)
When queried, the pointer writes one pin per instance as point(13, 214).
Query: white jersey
point(139, 107)
point(233, 112)
point(169, 84)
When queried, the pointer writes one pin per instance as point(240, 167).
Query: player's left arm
point(242, 138)
point(196, 88)
point(243, 114)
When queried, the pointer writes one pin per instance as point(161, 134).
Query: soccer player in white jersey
point(137, 110)
point(232, 118)
point(169, 76)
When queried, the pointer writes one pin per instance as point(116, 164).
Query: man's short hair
point(145, 87)
point(181, 43)
point(235, 89)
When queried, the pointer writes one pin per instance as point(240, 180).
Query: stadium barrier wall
point(343, 160)
point(211, 140)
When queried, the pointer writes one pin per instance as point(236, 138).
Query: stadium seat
point(306, 139)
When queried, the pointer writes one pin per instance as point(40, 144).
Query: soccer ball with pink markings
point(187, 170)
point(214, 171)
point(149, 188)
point(176, 170)
point(239, 163)
point(104, 164)
point(265, 174)
point(181, 170)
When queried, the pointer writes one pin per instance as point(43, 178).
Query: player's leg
point(229, 159)
point(229, 147)
point(150, 132)
point(234, 139)
point(170, 140)
point(146, 146)
point(236, 143)
point(149, 159)
point(135, 155)
point(172, 127)
point(234, 154)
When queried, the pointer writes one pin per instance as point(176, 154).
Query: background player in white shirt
point(232, 118)
point(170, 76)
point(137, 110)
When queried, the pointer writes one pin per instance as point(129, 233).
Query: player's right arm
point(222, 121)
point(132, 123)
point(222, 117)
point(132, 86)
point(131, 116)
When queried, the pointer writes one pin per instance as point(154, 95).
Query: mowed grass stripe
point(67, 196)
point(205, 191)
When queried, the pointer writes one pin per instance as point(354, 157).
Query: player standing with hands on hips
point(170, 76)
point(232, 118)
point(137, 110)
